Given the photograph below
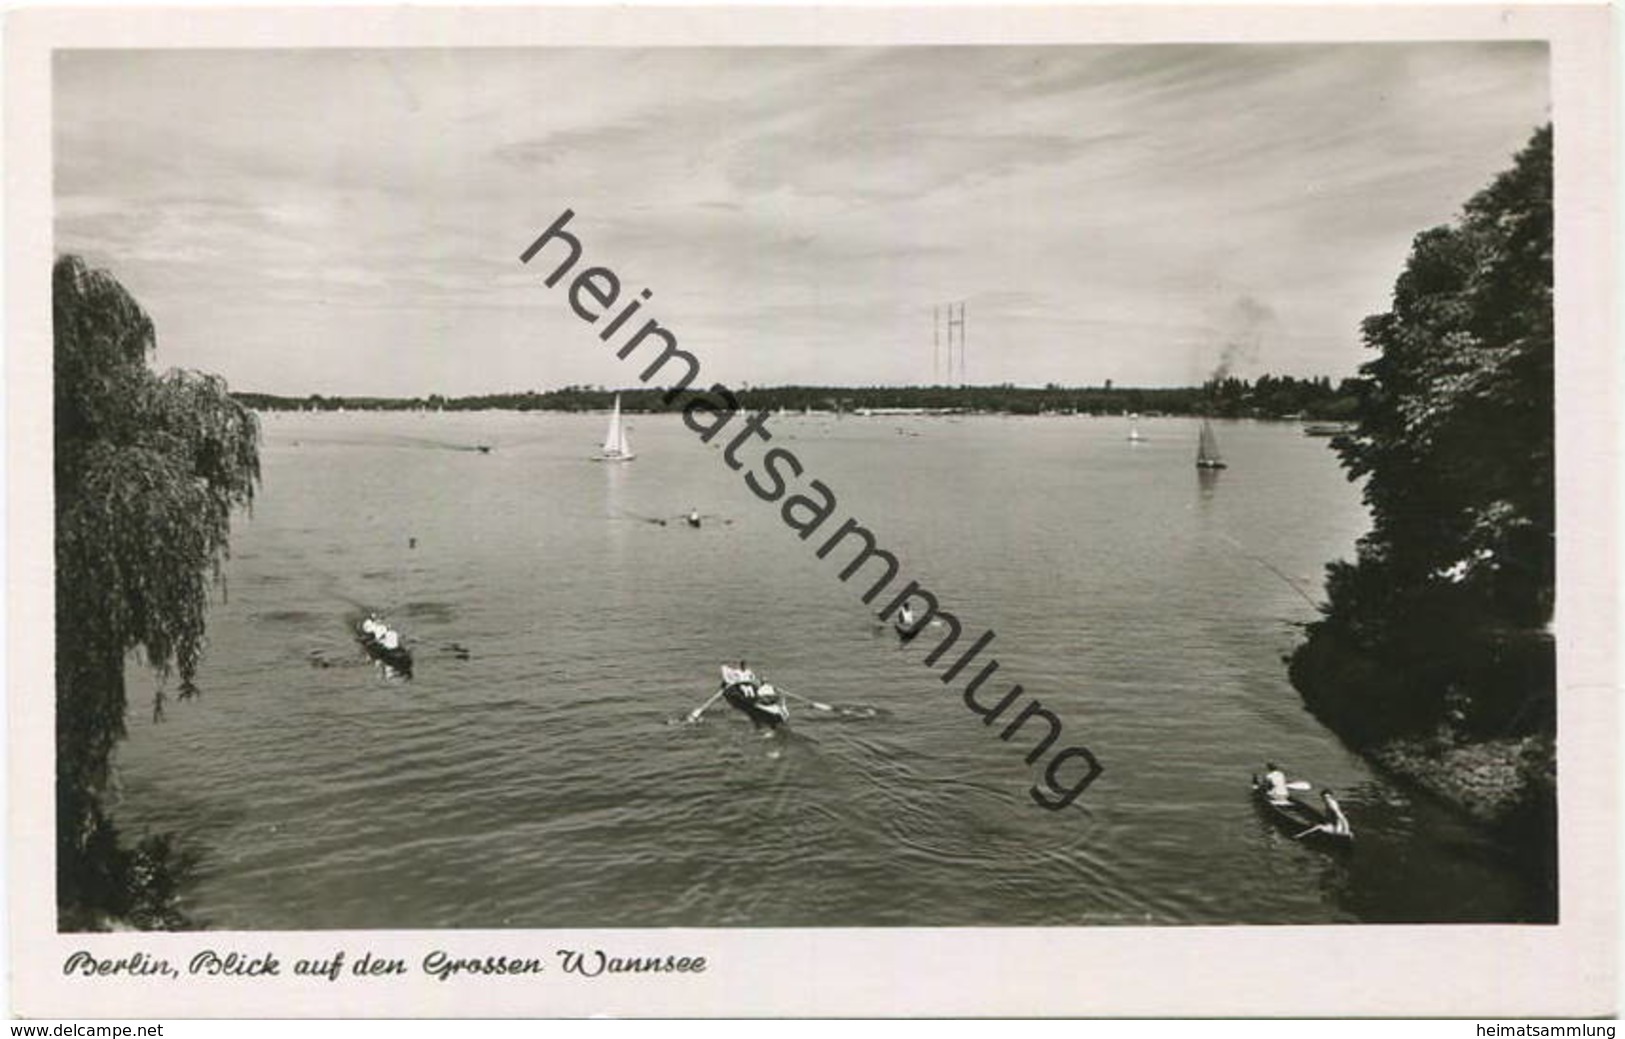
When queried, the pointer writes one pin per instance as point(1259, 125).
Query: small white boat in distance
point(1134, 434)
point(616, 448)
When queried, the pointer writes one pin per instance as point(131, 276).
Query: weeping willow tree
point(148, 470)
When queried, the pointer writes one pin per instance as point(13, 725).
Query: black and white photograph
point(654, 488)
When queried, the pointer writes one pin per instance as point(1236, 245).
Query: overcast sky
point(349, 222)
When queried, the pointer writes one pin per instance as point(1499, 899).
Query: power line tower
point(959, 323)
point(956, 319)
point(936, 346)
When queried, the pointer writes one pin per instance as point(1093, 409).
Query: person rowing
point(1275, 787)
point(1338, 823)
point(737, 675)
point(761, 702)
point(906, 621)
point(757, 700)
point(386, 646)
point(766, 694)
point(1275, 784)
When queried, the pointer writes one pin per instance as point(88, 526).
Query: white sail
point(612, 440)
point(615, 443)
point(1207, 449)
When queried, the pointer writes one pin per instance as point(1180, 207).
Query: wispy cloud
point(1147, 213)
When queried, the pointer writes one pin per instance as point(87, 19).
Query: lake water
point(543, 781)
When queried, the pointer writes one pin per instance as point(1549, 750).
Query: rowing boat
point(761, 704)
point(1299, 818)
point(398, 660)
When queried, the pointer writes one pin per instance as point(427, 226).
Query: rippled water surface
point(532, 774)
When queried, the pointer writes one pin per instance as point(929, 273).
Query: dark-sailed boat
point(759, 702)
point(397, 660)
point(1296, 817)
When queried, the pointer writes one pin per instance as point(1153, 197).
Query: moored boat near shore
point(1327, 429)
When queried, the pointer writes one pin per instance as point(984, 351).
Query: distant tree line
point(1269, 396)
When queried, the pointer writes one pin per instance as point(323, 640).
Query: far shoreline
point(1270, 398)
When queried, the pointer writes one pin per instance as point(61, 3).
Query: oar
point(1305, 833)
point(814, 704)
point(694, 715)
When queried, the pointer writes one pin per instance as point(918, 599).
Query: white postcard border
point(1569, 969)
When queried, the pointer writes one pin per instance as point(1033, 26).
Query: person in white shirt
point(391, 639)
point(1275, 784)
point(738, 675)
point(766, 694)
point(1339, 824)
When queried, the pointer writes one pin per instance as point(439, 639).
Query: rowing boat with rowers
point(397, 658)
point(1302, 820)
point(759, 702)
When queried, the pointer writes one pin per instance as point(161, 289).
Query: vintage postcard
point(812, 512)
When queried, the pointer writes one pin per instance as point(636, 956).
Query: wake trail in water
point(437, 445)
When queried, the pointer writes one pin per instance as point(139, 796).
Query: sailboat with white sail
point(616, 447)
point(1207, 449)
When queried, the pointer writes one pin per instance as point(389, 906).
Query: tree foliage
point(1453, 585)
point(148, 469)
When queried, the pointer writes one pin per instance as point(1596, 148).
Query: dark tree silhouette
point(148, 469)
point(1441, 617)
